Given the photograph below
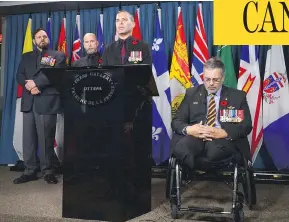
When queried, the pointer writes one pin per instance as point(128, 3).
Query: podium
point(107, 140)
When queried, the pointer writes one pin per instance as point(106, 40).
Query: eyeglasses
point(215, 80)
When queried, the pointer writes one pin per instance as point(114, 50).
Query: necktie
point(211, 117)
point(123, 52)
point(91, 60)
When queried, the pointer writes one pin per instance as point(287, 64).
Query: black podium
point(107, 140)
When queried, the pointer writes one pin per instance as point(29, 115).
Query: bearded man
point(40, 105)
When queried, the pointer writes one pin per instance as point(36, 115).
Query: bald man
point(127, 49)
point(92, 57)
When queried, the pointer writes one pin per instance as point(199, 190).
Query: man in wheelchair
point(213, 121)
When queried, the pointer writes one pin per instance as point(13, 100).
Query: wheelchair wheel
point(249, 188)
point(168, 180)
point(173, 195)
point(174, 210)
point(238, 214)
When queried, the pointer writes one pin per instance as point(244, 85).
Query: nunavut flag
point(250, 82)
point(18, 125)
point(180, 72)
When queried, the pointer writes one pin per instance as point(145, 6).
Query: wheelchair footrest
point(204, 209)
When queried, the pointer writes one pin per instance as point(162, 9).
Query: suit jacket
point(112, 52)
point(48, 101)
point(88, 60)
point(112, 56)
point(193, 109)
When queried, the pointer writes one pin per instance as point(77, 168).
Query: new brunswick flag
point(179, 72)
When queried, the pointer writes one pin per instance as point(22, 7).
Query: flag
point(179, 73)
point(276, 108)
point(200, 50)
point(100, 46)
point(62, 46)
point(161, 124)
point(225, 53)
point(250, 82)
point(18, 125)
point(48, 29)
point(136, 32)
point(76, 46)
point(58, 143)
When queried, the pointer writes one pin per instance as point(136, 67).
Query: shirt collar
point(126, 40)
point(218, 93)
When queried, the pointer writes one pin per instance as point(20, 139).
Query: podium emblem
point(93, 88)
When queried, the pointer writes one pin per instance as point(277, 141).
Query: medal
point(49, 61)
point(135, 56)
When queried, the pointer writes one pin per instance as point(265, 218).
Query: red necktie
point(122, 52)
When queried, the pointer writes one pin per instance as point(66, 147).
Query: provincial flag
point(161, 124)
point(18, 125)
point(76, 46)
point(250, 82)
point(200, 49)
point(180, 78)
point(48, 31)
point(276, 107)
point(100, 38)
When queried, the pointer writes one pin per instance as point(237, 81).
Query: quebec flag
point(161, 127)
point(276, 107)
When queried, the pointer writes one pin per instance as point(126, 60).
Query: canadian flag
point(136, 32)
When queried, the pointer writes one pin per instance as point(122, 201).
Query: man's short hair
point(90, 33)
point(131, 18)
point(215, 63)
point(36, 31)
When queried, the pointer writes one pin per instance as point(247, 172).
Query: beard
point(91, 51)
point(42, 45)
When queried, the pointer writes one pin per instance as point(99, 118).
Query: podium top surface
point(141, 74)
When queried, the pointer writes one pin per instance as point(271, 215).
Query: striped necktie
point(211, 117)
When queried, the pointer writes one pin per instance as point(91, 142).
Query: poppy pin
point(224, 103)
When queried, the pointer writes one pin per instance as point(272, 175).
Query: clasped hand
point(206, 133)
point(31, 86)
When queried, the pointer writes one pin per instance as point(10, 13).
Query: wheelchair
point(242, 172)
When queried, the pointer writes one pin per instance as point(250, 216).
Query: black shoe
point(50, 179)
point(25, 178)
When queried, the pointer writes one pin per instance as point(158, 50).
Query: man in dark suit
point(40, 105)
point(212, 119)
point(92, 57)
point(127, 49)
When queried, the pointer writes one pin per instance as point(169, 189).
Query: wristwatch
point(184, 131)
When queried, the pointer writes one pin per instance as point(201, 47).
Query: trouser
point(38, 132)
point(188, 148)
